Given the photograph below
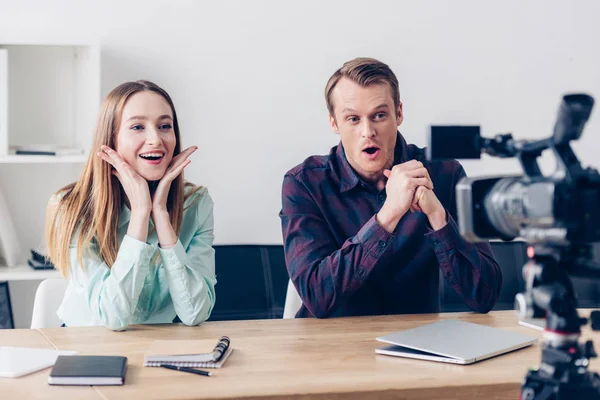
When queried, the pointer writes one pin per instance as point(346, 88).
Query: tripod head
point(549, 290)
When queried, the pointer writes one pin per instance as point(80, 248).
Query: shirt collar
point(349, 178)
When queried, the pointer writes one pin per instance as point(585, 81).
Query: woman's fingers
point(189, 150)
point(181, 157)
point(179, 163)
point(159, 198)
point(113, 158)
point(105, 157)
point(175, 171)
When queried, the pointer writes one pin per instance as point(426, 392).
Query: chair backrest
point(293, 302)
point(250, 282)
point(48, 297)
point(511, 256)
point(253, 282)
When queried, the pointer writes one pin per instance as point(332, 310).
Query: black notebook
point(88, 370)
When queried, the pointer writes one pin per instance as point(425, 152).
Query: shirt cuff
point(132, 252)
point(175, 256)
point(446, 238)
point(375, 237)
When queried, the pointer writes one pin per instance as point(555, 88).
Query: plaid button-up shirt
point(344, 263)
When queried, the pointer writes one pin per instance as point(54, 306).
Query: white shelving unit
point(50, 94)
point(21, 159)
point(26, 273)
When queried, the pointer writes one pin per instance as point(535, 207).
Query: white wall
point(247, 78)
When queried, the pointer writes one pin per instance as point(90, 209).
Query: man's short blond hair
point(365, 72)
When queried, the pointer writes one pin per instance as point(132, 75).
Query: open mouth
point(371, 150)
point(153, 157)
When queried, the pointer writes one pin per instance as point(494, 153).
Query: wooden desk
point(35, 386)
point(302, 358)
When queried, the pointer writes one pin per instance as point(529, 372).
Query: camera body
point(559, 210)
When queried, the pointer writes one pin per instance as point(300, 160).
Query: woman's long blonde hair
point(91, 206)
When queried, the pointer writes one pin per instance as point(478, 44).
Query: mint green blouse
point(142, 287)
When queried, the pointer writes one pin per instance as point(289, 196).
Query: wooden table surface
point(35, 386)
point(292, 358)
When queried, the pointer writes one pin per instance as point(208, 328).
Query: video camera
point(559, 216)
point(560, 209)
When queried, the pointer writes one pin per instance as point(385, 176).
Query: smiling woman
point(146, 138)
point(134, 240)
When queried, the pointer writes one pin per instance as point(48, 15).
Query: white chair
point(48, 297)
point(293, 302)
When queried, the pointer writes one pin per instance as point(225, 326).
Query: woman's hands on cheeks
point(167, 237)
point(134, 185)
point(178, 163)
point(137, 191)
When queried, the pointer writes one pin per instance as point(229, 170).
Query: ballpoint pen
point(186, 369)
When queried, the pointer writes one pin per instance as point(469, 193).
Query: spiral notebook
point(188, 353)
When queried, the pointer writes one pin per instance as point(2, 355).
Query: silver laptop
point(453, 341)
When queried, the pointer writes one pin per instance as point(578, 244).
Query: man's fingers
point(412, 168)
point(417, 198)
point(387, 173)
point(422, 182)
point(408, 166)
point(417, 173)
point(429, 177)
point(420, 175)
point(420, 172)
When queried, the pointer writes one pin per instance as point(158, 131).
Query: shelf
point(21, 159)
point(49, 93)
point(26, 273)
